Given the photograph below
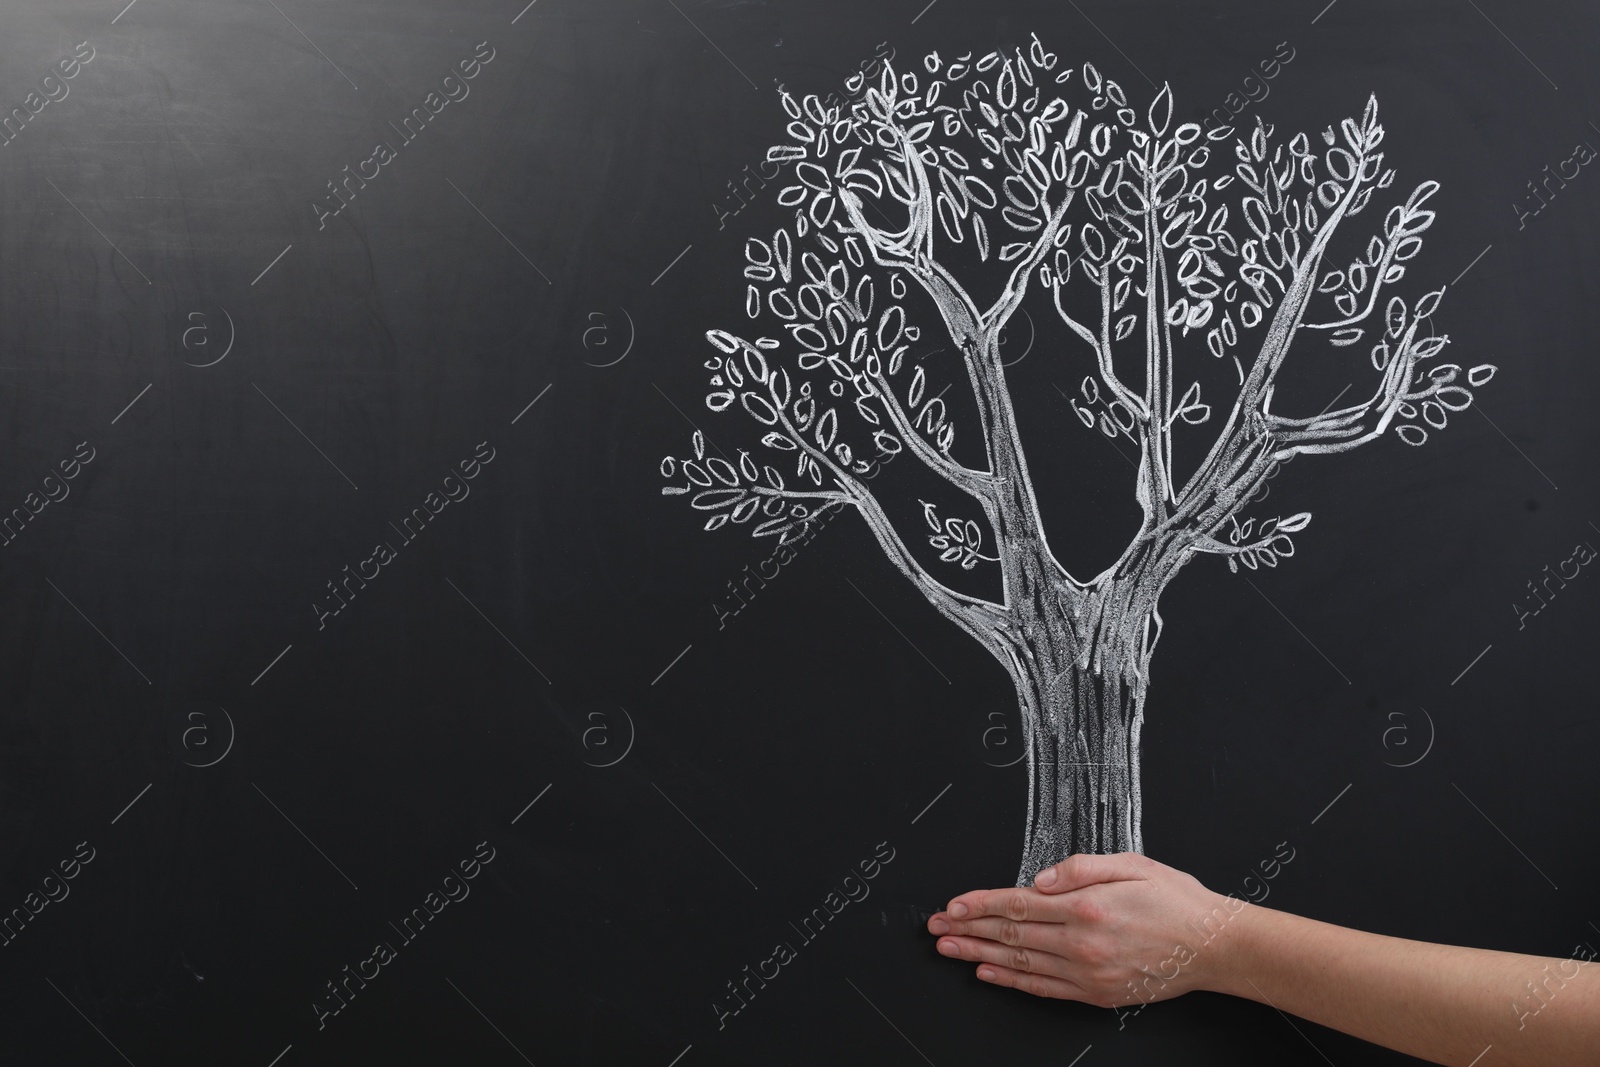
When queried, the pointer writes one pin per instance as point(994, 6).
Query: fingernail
point(1046, 877)
point(939, 926)
point(949, 948)
point(986, 975)
point(958, 911)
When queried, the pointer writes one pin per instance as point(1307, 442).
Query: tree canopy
point(984, 181)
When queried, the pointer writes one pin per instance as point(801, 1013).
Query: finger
point(1045, 935)
point(1018, 904)
point(1040, 985)
point(1082, 869)
point(1022, 960)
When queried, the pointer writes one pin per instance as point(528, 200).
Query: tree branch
point(1158, 364)
point(980, 484)
point(962, 320)
point(957, 606)
point(1013, 509)
point(1248, 413)
point(1102, 354)
point(790, 494)
point(1345, 429)
point(946, 292)
point(1010, 298)
point(1372, 302)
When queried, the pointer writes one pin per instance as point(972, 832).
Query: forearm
point(1437, 1002)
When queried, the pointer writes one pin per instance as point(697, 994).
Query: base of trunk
point(1083, 767)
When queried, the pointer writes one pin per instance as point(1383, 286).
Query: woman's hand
point(1124, 929)
point(1105, 930)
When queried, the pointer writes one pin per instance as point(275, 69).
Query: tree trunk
point(1081, 689)
point(1082, 732)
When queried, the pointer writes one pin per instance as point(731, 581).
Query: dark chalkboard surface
point(366, 700)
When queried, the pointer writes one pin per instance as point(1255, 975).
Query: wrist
point(1226, 930)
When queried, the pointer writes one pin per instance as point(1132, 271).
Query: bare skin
point(1123, 930)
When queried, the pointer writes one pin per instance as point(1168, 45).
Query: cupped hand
point(1105, 930)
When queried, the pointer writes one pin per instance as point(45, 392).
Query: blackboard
point(348, 631)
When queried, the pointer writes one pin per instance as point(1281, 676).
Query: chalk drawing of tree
point(1170, 262)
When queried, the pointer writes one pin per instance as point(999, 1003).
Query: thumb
point(1083, 869)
